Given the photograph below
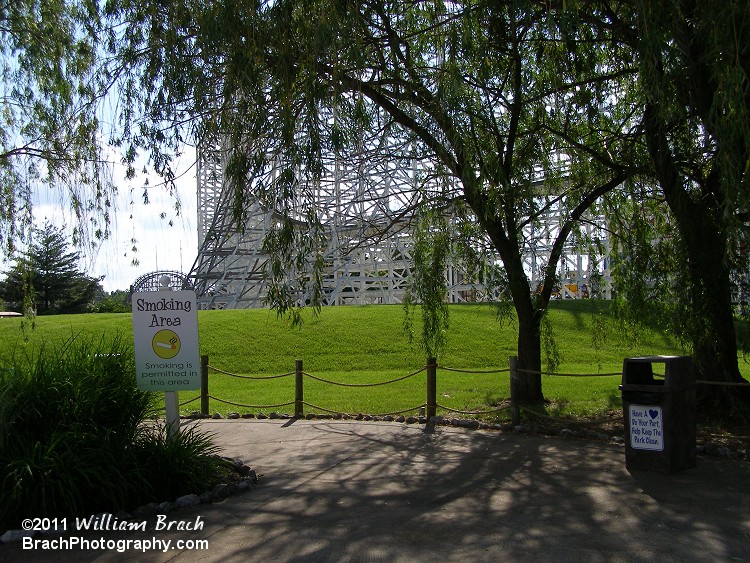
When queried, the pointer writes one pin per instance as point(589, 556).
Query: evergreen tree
point(48, 274)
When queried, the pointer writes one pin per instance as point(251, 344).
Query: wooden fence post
point(204, 385)
point(431, 387)
point(515, 412)
point(298, 393)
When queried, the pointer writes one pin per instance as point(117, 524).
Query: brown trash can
point(659, 414)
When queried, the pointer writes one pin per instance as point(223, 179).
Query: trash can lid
point(678, 371)
point(654, 359)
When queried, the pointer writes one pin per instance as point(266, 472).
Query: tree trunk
point(714, 340)
point(714, 347)
point(529, 333)
point(529, 315)
point(529, 356)
point(700, 226)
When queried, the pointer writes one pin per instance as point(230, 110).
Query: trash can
point(659, 414)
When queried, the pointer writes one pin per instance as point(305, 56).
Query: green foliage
point(427, 283)
point(115, 302)
point(175, 464)
point(743, 335)
point(694, 80)
point(74, 438)
point(50, 133)
point(46, 278)
point(695, 73)
point(58, 418)
point(486, 97)
point(648, 266)
point(549, 345)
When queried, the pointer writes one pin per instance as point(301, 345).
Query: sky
point(159, 245)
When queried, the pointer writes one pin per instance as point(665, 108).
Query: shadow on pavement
point(376, 491)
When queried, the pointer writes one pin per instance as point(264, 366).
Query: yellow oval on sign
point(166, 344)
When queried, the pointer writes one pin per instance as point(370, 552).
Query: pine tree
point(48, 273)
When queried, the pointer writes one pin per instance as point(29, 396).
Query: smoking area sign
point(165, 335)
point(646, 427)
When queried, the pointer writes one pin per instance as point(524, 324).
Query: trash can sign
point(646, 428)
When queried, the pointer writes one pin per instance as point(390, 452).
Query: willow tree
point(49, 126)
point(477, 92)
point(693, 59)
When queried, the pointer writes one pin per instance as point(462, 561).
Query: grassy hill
point(361, 338)
point(368, 344)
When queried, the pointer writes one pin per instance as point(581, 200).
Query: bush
point(75, 437)
point(111, 304)
point(177, 464)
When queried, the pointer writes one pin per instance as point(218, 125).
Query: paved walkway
point(379, 491)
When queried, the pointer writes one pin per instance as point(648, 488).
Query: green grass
point(367, 344)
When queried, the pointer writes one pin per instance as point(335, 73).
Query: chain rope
point(505, 370)
point(534, 372)
point(251, 406)
point(257, 377)
point(316, 378)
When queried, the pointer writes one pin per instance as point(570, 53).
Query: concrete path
point(379, 491)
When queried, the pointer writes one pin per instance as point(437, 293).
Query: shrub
point(75, 436)
point(176, 464)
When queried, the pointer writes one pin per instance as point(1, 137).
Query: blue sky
point(159, 245)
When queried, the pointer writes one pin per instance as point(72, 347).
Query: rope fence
point(506, 370)
point(256, 377)
point(340, 384)
point(350, 415)
point(595, 422)
point(184, 403)
point(549, 373)
point(722, 383)
point(251, 406)
point(429, 408)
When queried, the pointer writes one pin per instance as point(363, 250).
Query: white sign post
point(646, 428)
point(165, 336)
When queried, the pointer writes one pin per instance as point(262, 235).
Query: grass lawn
point(367, 344)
